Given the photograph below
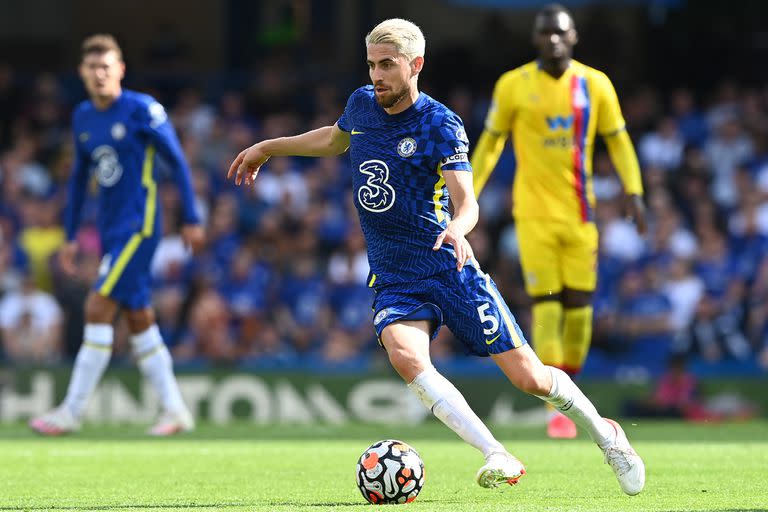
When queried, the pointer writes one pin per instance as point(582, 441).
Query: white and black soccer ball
point(389, 472)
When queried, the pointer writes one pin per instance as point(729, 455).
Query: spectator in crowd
point(664, 147)
point(31, 325)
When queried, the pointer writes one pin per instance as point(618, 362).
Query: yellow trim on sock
point(98, 346)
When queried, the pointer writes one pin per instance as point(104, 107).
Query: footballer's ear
point(417, 64)
point(573, 36)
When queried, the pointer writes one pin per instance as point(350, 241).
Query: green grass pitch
point(285, 468)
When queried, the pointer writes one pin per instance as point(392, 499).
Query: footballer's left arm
point(163, 136)
point(465, 216)
point(612, 127)
point(465, 208)
point(624, 159)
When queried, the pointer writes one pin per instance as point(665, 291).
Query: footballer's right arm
point(325, 141)
point(491, 143)
point(484, 158)
point(78, 182)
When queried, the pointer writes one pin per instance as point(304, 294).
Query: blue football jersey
point(399, 190)
point(118, 146)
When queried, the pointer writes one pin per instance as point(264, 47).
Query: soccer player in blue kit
point(409, 158)
point(117, 135)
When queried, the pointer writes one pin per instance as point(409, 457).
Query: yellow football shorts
point(556, 254)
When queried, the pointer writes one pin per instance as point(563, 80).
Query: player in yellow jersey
point(554, 107)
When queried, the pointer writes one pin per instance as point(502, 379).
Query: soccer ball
point(390, 471)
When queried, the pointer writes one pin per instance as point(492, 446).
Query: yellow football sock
point(547, 325)
point(577, 336)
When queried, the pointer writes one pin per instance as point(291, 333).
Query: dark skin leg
point(576, 298)
point(569, 297)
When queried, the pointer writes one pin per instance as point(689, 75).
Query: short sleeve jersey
point(399, 189)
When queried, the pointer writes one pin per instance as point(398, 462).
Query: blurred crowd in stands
point(282, 280)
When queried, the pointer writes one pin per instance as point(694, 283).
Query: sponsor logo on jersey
point(108, 168)
point(406, 147)
point(453, 159)
point(118, 131)
point(377, 195)
point(461, 134)
point(560, 122)
point(461, 149)
point(356, 132)
point(84, 137)
point(381, 315)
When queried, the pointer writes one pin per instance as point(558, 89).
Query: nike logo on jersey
point(355, 132)
point(490, 342)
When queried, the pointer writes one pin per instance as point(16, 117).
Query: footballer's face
point(391, 74)
point(101, 73)
point(554, 36)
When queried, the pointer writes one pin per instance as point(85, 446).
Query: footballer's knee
point(408, 363)
point(99, 309)
point(407, 346)
point(139, 320)
point(556, 297)
point(576, 298)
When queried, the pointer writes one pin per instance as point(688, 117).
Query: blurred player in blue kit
point(117, 135)
point(409, 156)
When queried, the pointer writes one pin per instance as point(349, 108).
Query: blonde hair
point(100, 43)
point(405, 35)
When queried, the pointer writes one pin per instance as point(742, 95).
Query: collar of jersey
point(112, 105)
point(567, 71)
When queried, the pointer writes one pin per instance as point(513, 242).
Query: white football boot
point(500, 468)
point(171, 423)
point(625, 462)
point(56, 422)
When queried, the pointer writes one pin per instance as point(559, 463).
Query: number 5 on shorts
point(487, 318)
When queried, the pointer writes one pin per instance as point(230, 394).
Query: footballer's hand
point(635, 208)
point(67, 257)
point(460, 246)
point(247, 164)
point(193, 236)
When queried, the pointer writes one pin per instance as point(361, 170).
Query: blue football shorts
point(124, 271)
point(468, 302)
